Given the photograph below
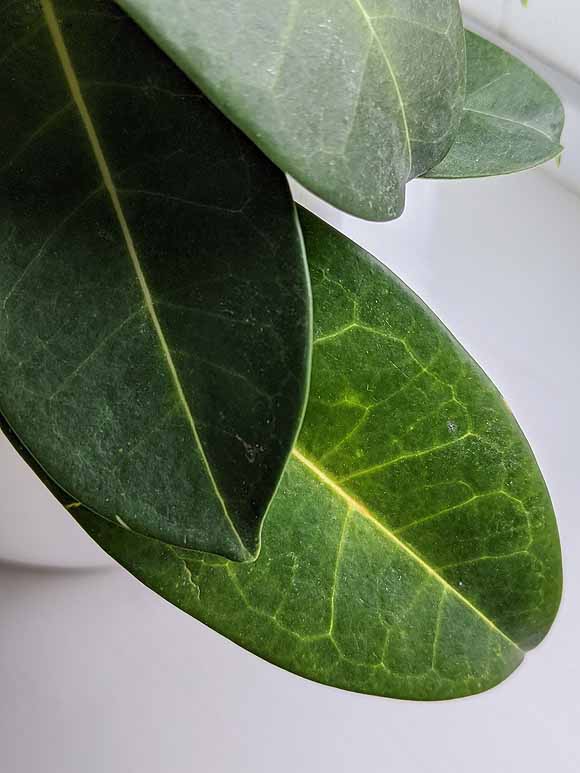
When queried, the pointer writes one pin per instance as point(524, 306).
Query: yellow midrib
point(359, 508)
point(79, 100)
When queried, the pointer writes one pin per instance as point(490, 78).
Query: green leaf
point(352, 98)
point(411, 549)
point(512, 119)
point(155, 328)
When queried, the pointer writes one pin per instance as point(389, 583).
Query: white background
point(98, 675)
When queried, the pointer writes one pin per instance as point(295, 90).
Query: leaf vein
point(394, 79)
point(76, 93)
point(358, 507)
point(510, 120)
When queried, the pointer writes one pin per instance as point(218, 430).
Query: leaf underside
point(411, 550)
point(353, 98)
point(155, 321)
point(512, 119)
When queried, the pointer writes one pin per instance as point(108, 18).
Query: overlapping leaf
point(154, 298)
point(352, 97)
point(411, 549)
point(512, 119)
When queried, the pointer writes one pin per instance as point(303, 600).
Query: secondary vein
point(358, 507)
point(72, 80)
point(510, 120)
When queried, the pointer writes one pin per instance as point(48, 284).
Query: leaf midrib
point(356, 506)
point(72, 81)
point(376, 38)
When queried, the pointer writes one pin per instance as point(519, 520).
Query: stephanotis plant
point(241, 406)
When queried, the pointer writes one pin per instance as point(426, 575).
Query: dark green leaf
point(411, 549)
point(154, 298)
point(352, 97)
point(512, 119)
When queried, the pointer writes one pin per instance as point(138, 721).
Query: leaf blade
point(342, 593)
point(512, 119)
point(352, 99)
point(140, 415)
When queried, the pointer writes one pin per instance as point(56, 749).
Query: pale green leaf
point(512, 119)
point(353, 98)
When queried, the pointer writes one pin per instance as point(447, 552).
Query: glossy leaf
point(154, 298)
point(512, 119)
point(353, 98)
point(411, 549)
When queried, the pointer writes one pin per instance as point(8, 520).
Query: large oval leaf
point(154, 296)
point(352, 97)
point(411, 549)
point(512, 119)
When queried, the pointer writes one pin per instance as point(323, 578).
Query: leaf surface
point(353, 98)
point(155, 322)
point(512, 119)
point(411, 550)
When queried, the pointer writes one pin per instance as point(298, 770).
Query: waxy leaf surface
point(353, 98)
point(155, 322)
point(512, 119)
point(411, 549)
